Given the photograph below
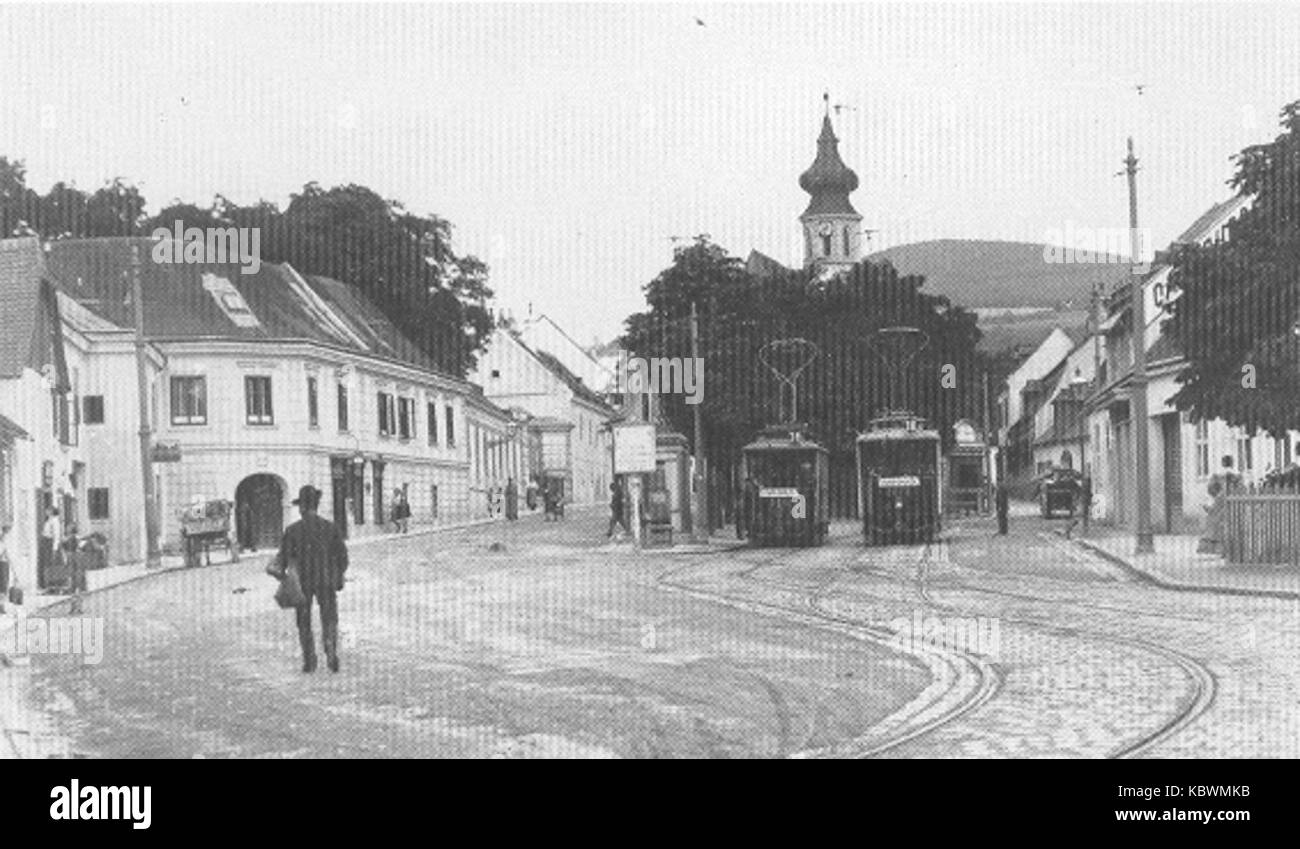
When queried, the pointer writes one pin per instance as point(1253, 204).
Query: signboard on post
point(634, 448)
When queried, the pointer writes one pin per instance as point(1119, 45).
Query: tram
point(785, 489)
point(900, 491)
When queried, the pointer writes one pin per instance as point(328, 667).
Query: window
point(433, 499)
point(1245, 454)
point(313, 404)
point(189, 400)
point(92, 409)
point(848, 249)
point(97, 502)
point(257, 400)
point(451, 426)
point(343, 407)
point(433, 424)
point(387, 415)
point(1203, 449)
point(405, 418)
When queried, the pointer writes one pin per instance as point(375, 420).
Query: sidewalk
point(1176, 565)
point(27, 734)
point(112, 576)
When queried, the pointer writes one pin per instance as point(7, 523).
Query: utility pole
point(700, 527)
point(988, 437)
point(1138, 405)
point(152, 558)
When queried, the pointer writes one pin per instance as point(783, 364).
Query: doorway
point(259, 511)
point(340, 489)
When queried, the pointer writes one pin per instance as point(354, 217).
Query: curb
point(1152, 579)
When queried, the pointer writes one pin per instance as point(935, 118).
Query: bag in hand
point(289, 593)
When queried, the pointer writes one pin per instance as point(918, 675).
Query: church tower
point(832, 228)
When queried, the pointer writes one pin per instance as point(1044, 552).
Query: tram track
point(1203, 684)
point(918, 720)
point(960, 682)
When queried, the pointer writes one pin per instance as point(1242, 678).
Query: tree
point(1239, 298)
point(19, 205)
point(402, 261)
point(842, 389)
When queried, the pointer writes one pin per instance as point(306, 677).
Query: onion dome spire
point(828, 179)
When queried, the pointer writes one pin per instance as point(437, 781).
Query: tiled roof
point(20, 295)
point(574, 382)
point(10, 431)
point(218, 301)
point(760, 264)
point(1072, 429)
point(1212, 219)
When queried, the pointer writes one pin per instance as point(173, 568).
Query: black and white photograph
point(482, 381)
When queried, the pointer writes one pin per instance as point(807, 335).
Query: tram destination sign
point(899, 482)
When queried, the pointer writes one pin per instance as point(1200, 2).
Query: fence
point(1262, 525)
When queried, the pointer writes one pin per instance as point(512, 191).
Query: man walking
point(616, 518)
point(316, 548)
point(51, 539)
point(4, 566)
point(512, 500)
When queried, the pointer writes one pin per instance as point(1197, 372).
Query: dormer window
point(229, 299)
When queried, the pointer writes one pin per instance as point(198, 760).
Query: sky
point(570, 144)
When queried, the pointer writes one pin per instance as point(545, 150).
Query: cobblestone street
point(542, 640)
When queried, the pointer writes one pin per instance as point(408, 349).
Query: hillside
point(981, 274)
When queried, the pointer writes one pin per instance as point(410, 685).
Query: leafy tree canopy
point(403, 261)
point(849, 381)
point(1235, 316)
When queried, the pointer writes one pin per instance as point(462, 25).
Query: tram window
point(901, 459)
point(772, 471)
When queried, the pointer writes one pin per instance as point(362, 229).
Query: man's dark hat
point(308, 495)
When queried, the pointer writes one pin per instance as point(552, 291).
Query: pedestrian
point(494, 501)
point(1003, 506)
point(244, 518)
point(616, 504)
point(530, 494)
point(551, 501)
point(1085, 500)
point(4, 566)
point(401, 511)
point(316, 548)
point(1226, 483)
point(51, 538)
point(512, 500)
point(75, 557)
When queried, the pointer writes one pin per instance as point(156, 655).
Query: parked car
point(1059, 491)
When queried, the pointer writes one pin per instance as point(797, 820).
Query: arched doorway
point(259, 512)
